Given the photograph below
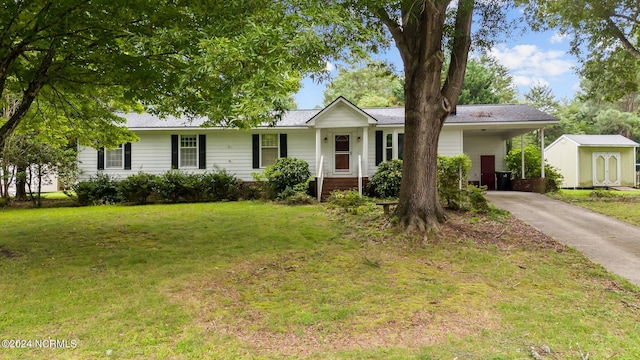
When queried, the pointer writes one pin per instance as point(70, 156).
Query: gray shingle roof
point(466, 114)
point(601, 140)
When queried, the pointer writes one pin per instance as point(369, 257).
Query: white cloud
point(558, 38)
point(529, 64)
point(330, 67)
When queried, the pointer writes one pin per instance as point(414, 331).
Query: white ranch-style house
point(342, 143)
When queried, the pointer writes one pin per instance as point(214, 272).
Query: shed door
point(606, 169)
point(488, 171)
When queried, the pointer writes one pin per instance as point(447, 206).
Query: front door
point(342, 154)
point(488, 171)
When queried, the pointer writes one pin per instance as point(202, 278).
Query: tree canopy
point(373, 85)
point(234, 62)
point(606, 36)
point(487, 82)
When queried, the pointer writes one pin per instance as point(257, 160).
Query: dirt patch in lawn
point(504, 232)
point(8, 253)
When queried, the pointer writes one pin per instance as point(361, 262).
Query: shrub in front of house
point(532, 168)
point(350, 200)
point(287, 173)
point(101, 189)
point(173, 186)
point(138, 188)
point(452, 171)
point(220, 185)
point(386, 181)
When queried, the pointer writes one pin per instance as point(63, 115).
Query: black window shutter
point(283, 145)
point(400, 145)
point(101, 159)
point(174, 151)
point(202, 151)
point(379, 145)
point(256, 151)
point(127, 156)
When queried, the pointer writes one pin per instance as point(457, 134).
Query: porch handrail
point(320, 177)
point(360, 175)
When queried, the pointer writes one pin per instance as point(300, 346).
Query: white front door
point(606, 169)
point(342, 154)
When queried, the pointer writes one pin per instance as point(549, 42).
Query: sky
point(531, 58)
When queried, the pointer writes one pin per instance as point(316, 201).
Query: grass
point(623, 205)
point(252, 280)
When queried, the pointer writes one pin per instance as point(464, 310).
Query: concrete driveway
point(604, 240)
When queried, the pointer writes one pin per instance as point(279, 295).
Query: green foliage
point(487, 82)
point(101, 189)
point(373, 85)
point(605, 37)
point(173, 186)
point(349, 200)
point(286, 173)
point(137, 188)
point(221, 185)
point(176, 185)
point(532, 166)
point(452, 170)
point(477, 201)
point(386, 181)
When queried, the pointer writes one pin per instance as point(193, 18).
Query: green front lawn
point(623, 205)
point(252, 280)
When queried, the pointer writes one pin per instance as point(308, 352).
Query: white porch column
point(365, 151)
point(522, 154)
point(542, 152)
point(394, 145)
point(318, 150)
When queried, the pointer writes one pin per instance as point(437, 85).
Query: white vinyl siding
point(114, 158)
point(229, 149)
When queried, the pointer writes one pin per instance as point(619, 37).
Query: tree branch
point(622, 37)
point(29, 95)
point(460, 51)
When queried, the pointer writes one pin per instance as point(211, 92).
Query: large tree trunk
point(419, 39)
point(419, 207)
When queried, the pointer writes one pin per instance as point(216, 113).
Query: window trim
point(197, 149)
point(395, 145)
point(106, 158)
point(277, 147)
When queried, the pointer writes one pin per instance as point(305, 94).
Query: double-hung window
point(114, 158)
point(188, 151)
point(268, 149)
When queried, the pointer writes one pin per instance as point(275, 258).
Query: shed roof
point(601, 140)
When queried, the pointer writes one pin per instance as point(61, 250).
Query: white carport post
point(542, 152)
point(522, 154)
